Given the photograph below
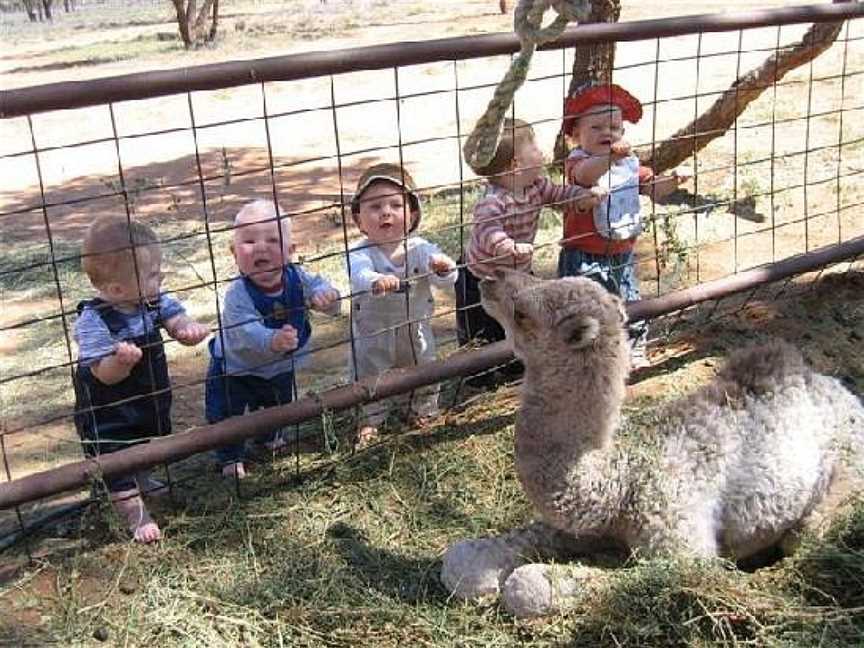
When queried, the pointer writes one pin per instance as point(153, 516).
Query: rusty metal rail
point(145, 85)
point(184, 444)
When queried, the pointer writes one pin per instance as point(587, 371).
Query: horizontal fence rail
point(78, 94)
point(392, 383)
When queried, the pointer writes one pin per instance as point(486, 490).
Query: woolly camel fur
point(744, 464)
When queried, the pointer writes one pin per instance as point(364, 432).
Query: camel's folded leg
point(478, 567)
point(539, 590)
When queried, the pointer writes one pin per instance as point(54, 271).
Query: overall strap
point(288, 307)
point(112, 318)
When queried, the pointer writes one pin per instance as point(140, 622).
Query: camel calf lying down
point(743, 464)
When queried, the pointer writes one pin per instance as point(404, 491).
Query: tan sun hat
point(394, 174)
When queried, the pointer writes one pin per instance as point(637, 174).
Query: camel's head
point(549, 316)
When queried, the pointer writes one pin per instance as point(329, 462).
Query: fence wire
point(782, 181)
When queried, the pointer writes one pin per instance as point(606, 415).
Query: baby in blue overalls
point(122, 390)
point(265, 325)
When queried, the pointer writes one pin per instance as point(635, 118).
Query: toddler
point(265, 325)
point(599, 243)
point(392, 271)
point(122, 389)
point(505, 223)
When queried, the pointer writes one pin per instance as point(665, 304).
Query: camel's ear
point(577, 329)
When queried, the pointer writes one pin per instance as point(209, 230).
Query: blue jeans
point(615, 272)
point(226, 396)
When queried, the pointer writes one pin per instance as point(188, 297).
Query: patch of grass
point(27, 271)
point(350, 555)
point(350, 552)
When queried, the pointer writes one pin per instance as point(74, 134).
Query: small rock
point(101, 634)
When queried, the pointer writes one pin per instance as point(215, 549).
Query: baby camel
point(741, 465)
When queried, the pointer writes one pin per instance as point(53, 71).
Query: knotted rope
point(480, 146)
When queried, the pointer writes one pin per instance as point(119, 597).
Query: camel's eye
point(577, 334)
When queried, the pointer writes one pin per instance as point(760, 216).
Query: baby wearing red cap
point(599, 243)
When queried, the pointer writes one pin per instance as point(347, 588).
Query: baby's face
point(598, 129)
point(260, 251)
point(138, 286)
point(384, 216)
point(528, 161)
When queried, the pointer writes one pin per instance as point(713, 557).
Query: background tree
point(38, 10)
point(593, 62)
point(197, 25)
point(596, 62)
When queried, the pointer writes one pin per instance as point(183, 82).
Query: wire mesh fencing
point(774, 203)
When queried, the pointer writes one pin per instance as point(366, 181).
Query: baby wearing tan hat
point(392, 271)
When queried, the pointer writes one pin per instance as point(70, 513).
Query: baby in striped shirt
point(505, 223)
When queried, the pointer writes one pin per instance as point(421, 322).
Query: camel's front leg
point(478, 567)
point(537, 590)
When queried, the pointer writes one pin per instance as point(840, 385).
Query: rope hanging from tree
point(480, 146)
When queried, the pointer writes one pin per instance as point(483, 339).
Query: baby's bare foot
point(130, 507)
point(236, 469)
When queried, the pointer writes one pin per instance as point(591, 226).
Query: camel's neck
point(564, 433)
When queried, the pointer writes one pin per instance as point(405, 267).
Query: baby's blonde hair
point(267, 210)
point(106, 253)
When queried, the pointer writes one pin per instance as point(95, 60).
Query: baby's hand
point(663, 185)
point(191, 333)
point(619, 150)
point(522, 252)
point(385, 284)
point(440, 264)
point(127, 353)
point(593, 198)
point(323, 298)
point(285, 339)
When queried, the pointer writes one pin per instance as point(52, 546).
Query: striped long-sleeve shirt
point(501, 219)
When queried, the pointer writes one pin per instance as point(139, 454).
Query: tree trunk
point(214, 25)
point(201, 27)
point(592, 62)
point(714, 122)
point(197, 26)
point(31, 12)
point(47, 5)
point(182, 22)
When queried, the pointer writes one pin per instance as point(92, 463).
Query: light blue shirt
point(244, 341)
point(95, 340)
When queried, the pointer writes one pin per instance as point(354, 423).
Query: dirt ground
point(781, 166)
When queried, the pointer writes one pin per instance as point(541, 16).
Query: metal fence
point(773, 198)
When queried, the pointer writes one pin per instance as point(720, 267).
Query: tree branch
point(714, 122)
